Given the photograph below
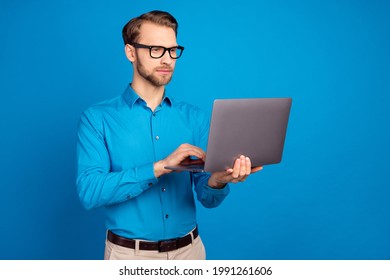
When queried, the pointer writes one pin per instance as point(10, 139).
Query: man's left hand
point(241, 170)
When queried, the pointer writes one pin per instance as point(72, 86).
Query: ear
point(130, 53)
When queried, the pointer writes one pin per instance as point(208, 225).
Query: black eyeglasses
point(159, 51)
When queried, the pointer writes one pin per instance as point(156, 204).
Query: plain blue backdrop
point(328, 199)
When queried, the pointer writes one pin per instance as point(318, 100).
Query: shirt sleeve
point(96, 185)
point(209, 197)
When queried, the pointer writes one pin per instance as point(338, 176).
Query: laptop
point(254, 127)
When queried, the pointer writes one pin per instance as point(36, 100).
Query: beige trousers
point(193, 251)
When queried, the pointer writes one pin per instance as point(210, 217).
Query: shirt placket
point(158, 140)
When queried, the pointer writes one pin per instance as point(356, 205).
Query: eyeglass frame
point(142, 46)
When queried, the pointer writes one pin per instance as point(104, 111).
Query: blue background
point(328, 199)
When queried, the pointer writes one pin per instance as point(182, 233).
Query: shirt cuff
point(224, 191)
point(145, 174)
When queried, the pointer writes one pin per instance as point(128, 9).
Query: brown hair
point(130, 31)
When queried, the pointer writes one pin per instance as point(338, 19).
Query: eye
point(156, 49)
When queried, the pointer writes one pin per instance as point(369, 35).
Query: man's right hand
point(182, 153)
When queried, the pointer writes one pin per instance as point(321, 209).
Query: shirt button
point(150, 184)
point(166, 216)
point(157, 137)
point(163, 189)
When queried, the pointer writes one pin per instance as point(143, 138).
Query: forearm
point(97, 188)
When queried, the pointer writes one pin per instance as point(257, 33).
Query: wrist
point(158, 168)
point(215, 184)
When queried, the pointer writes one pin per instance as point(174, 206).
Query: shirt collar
point(131, 97)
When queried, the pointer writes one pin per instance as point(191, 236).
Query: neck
point(151, 94)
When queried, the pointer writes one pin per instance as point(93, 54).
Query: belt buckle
point(167, 245)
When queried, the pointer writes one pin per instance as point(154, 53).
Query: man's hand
point(241, 170)
point(181, 154)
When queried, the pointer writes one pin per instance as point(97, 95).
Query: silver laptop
point(254, 127)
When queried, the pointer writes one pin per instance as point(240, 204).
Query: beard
point(152, 77)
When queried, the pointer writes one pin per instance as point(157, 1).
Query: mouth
point(164, 71)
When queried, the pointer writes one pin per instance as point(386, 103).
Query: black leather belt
point(161, 246)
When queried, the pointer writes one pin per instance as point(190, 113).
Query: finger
point(236, 168)
point(248, 165)
point(191, 149)
point(186, 150)
point(229, 171)
point(183, 152)
point(245, 166)
point(199, 154)
point(256, 169)
point(242, 166)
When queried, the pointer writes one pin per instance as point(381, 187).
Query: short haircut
point(131, 30)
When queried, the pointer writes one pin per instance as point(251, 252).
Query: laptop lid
point(254, 127)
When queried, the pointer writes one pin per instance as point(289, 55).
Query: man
point(125, 143)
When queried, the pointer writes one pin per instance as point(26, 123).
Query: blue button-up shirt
point(118, 142)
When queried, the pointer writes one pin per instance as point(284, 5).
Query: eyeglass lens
point(157, 52)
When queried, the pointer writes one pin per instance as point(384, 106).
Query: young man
point(124, 144)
